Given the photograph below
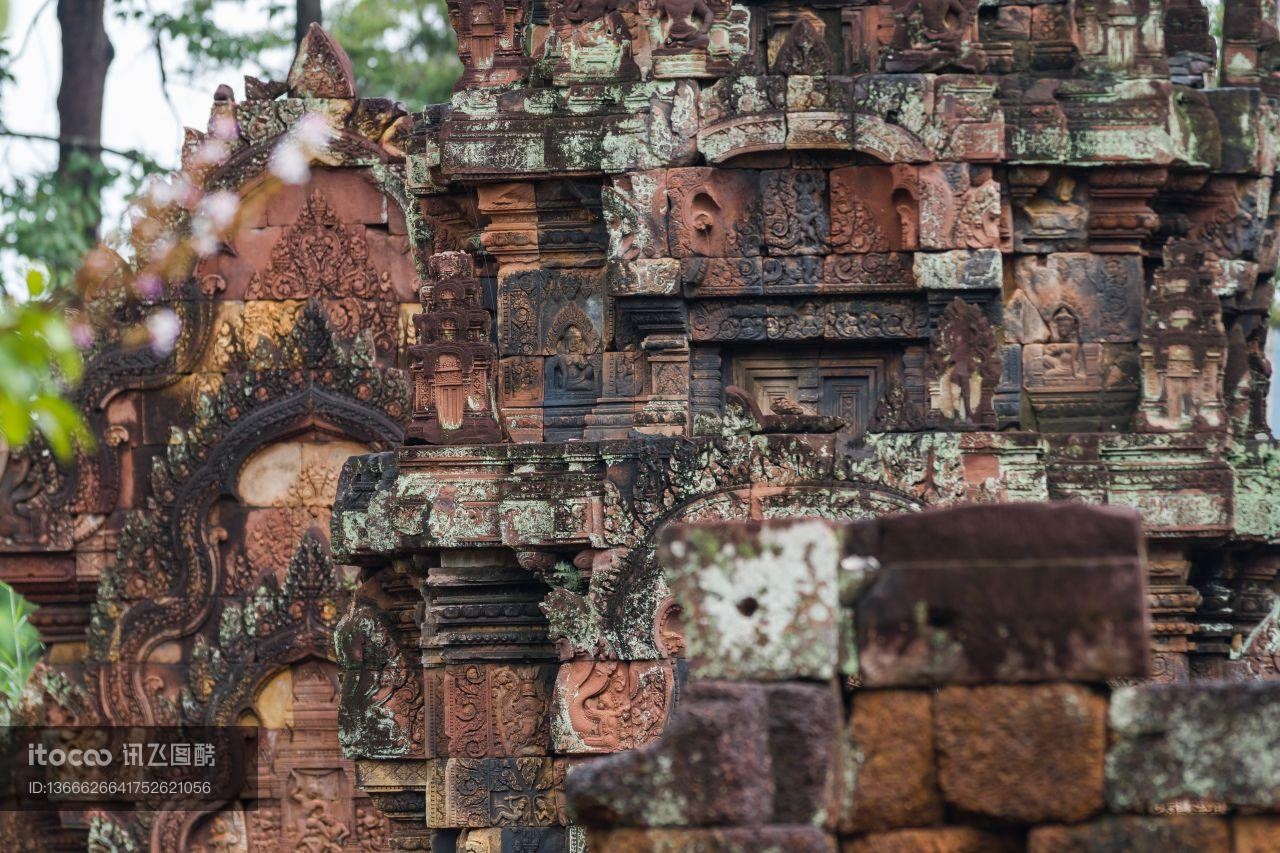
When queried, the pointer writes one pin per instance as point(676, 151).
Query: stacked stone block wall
point(955, 681)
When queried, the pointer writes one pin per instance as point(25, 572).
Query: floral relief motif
point(321, 256)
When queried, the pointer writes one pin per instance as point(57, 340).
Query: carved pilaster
point(1120, 219)
point(491, 45)
point(454, 364)
point(1172, 602)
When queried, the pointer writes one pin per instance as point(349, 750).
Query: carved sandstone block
point(740, 115)
point(795, 211)
point(553, 839)
point(1171, 834)
point(1101, 293)
point(488, 792)
point(607, 706)
point(713, 213)
point(711, 767)
point(490, 710)
point(635, 213)
point(1042, 593)
point(875, 209)
point(961, 269)
point(1202, 742)
point(1027, 754)
point(959, 207)
point(759, 601)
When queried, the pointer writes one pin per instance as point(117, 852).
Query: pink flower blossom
point(224, 127)
point(212, 152)
point(164, 327)
point(149, 285)
point(307, 139)
point(221, 208)
point(82, 334)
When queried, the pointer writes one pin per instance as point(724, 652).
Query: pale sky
point(136, 115)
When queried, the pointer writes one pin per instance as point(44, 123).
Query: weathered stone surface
point(517, 840)
point(1023, 754)
point(892, 776)
point(484, 792)
point(712, 767)
point(1255, 834)
point(681, 261)
point(1214, 742)
point(804, 751)
point(1174, 834)
point(489, 710)
point(606, 706)
point(732, 754)
point(951, 839)
point(759, 600)
point(1042, 593)
point(776, 839)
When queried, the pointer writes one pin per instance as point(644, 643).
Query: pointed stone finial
point(321, 68)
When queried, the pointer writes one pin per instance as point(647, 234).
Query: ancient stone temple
point(183, 569)
point(658, 263)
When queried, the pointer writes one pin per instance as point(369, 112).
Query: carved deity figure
point(320, 832)
point(685, 23)
point(1062, 355)
point(979, 218)
point(1059, 217)
point(573, 370)
point(965, 362)
point(223, 837)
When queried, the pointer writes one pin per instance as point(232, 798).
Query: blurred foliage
point(20, 646)
point(48, 220)
point(400, 49)
point(209, 45)
point(39, 362)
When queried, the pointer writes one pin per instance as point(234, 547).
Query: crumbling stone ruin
point(988, 680)
point(677, 262)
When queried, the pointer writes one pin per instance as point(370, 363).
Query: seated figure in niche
point(1062, 355)
point(574, 369)
point(1059, 217)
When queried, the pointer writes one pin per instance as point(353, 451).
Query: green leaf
point(20, 646)
point(35, 280)
point(15, 422)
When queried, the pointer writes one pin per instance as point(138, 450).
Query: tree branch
point(31, 28)
point(158, 46)
point(82, 143)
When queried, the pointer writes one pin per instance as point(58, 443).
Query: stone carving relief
point(964, 364)
point(454, 364)
point(321, 256)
